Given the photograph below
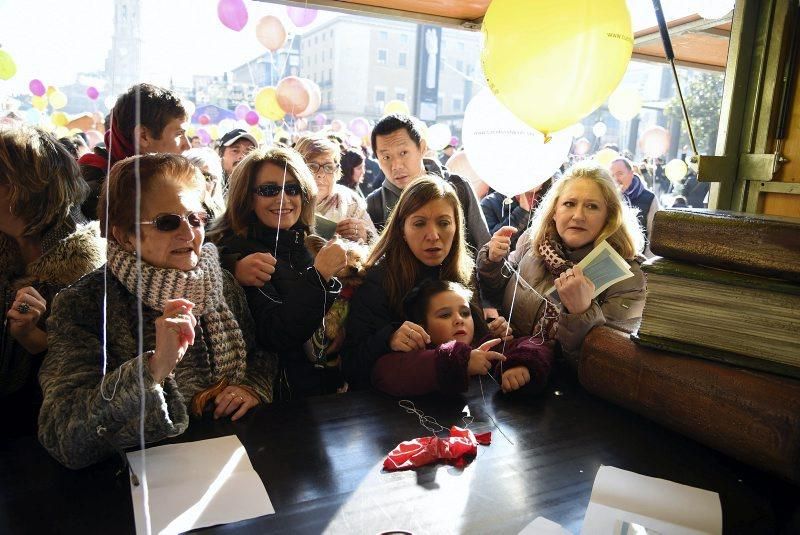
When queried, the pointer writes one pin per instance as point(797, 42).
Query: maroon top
point(444, 368)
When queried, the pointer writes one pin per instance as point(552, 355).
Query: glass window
point(383, 35)
point(383, 56)
point(402, 59)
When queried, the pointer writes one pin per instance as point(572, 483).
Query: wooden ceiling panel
point(456, 9)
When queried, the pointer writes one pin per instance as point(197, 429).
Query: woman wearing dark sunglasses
point(270, 211)
point(162, 326)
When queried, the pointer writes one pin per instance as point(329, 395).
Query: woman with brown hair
point(270, 211)
point(45, 245)
point(336, 202)
point(580, 211)
point(424, 239)
point(161, 327)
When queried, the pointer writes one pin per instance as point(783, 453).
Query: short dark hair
point(158, 106)
point(416, 303)
point(394, 122)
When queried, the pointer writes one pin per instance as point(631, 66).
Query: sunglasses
point(170, 222)
point(271, 190)
point(328, 167)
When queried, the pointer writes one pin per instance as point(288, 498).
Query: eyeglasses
point(271, 190)
point(329, 168)
point(170, 222)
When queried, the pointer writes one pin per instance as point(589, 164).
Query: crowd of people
point(231, 278)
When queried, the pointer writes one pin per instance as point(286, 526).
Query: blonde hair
point(42, 176)
point(313, 146)
point(402, 267)
point(622, 230)
point(239, 210)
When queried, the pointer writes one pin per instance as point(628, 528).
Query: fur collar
point(67, 260)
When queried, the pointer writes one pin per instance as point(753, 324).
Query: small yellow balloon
point(625, 103)
point(257, 133)
point(7, 66)
point(59, 118)
point(553, 65)
point(213, 131)
point(58, 100)
point(604, 157)
point(395, 106)
point(191, 131)
point(51, 89)
point(40, 103)
point(266, 104)
point(675, 170)
point(61, 131)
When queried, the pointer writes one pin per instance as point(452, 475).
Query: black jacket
point(289, 308)
point(499, 214)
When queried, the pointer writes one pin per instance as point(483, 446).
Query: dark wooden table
point(320, 460)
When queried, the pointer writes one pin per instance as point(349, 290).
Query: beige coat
point(620, 305)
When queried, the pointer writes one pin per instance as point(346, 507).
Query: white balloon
point(577, 130)
point(625, 103)
point(599, 129)
point(438, 136)
point(505, 152)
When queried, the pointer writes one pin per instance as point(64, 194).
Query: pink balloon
point(37, 87)
point(241, 111)
point(92, 93)
point(293, 95)
point(251, 117)
point(320, 119)
point(359, 126)
point(654, 141)
point(204, 136)
point(271, 33)
point(232, 13)
point(581, 146)
point(204, 119)
point(300, 16)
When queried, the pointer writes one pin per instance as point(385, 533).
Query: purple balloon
point(251, 118)
point(359, 126)
point(204, 136)
point(241, 111)
point(92, 93)
point(320, 119)
point(301, 16)
point(232, 13)
point(37, 88)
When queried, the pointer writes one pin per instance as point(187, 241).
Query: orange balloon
point(270, 32)
point(292, 94)
point(654, 141)
point(314, 98)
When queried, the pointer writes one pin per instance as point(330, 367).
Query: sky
point(55, 40)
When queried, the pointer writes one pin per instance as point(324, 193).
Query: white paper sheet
point(604, 267)
point(197, 484)
point(657, 506)
point(543, 526)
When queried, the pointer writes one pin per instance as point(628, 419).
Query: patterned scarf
point(552, 255)
point(203, 287)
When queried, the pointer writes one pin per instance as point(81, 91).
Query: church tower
point(123, 64)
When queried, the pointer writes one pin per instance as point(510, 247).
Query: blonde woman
point(335, 201)
point(580, 211)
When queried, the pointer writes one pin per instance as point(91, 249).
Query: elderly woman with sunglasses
point(335, 201)
point(271, 201)
point(163, 327)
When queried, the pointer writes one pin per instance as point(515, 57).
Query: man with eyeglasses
point(233, 147)
point(397, 142)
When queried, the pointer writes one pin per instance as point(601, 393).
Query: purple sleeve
point(534, 355)
point(416, 373)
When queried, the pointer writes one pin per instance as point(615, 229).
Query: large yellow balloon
point(7, 66)
point(40, 103)
point(555, 64)
point(59, 118)
point(675, 170)
point(604, 157)
point(395, 106)
point(267, 104)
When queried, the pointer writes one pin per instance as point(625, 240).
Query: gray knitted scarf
point(203, 287)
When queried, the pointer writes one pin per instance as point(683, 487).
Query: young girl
point(443, 309)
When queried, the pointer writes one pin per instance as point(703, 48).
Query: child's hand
point(500, 328)
point(480, 360)
point(515, 378)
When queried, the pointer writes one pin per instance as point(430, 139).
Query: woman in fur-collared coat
point(45, 245)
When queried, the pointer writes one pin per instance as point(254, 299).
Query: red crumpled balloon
point(461, 443)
